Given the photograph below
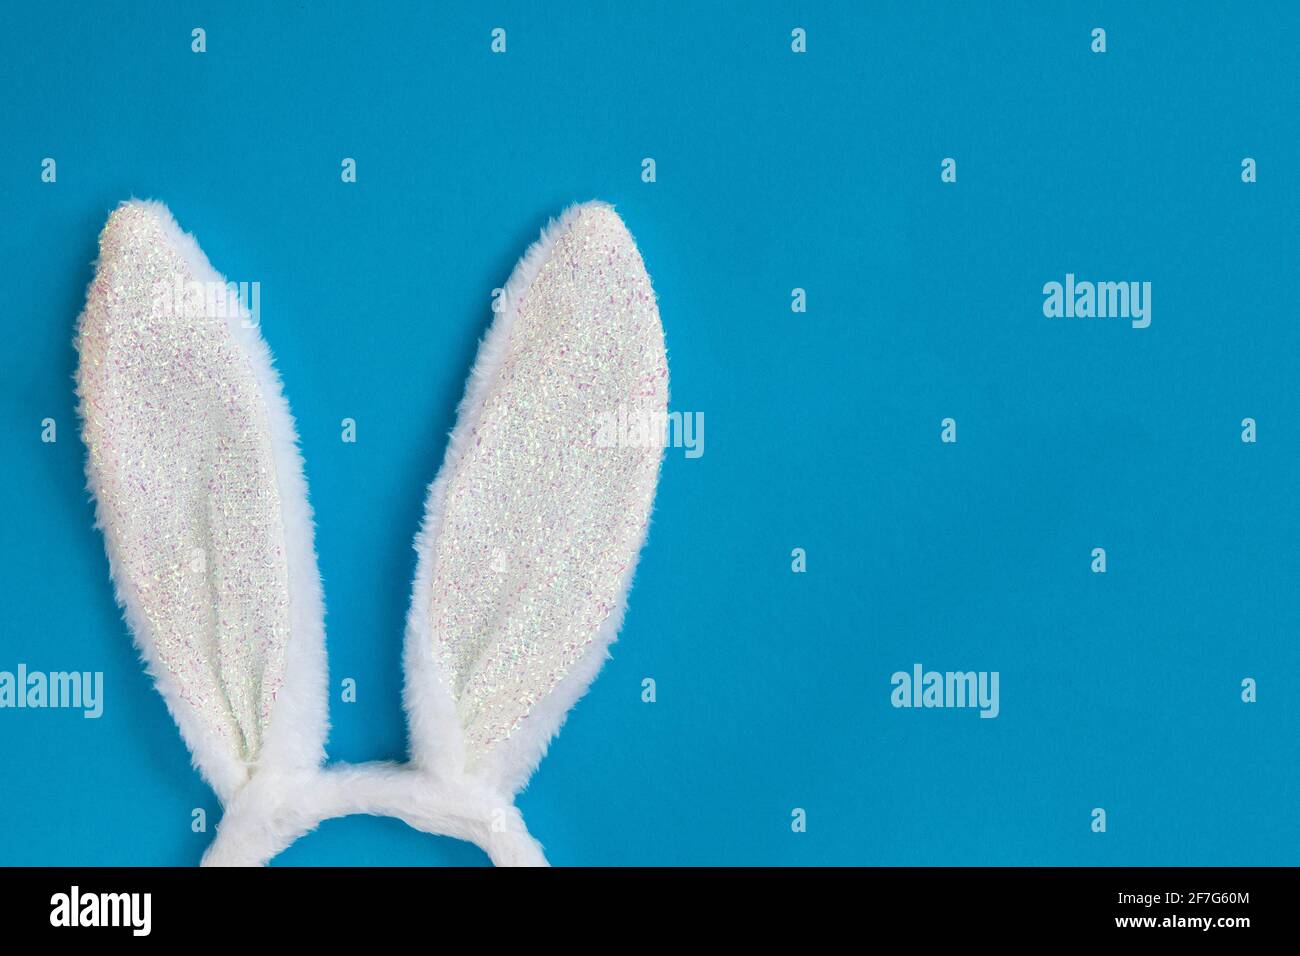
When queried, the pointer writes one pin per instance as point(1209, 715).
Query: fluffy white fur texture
point(274, 809)
point(287, 794)
point(295, 738)
point(437, 741)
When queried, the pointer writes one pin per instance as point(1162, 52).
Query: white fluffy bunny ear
point(533, 525)
point(199, 490)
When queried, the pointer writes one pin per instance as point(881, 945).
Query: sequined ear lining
point(543, 514)
point(181, 464)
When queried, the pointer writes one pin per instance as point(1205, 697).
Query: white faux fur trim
point(275, 808)
point(437, 739)
point(295, 738)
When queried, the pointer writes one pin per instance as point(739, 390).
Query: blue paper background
point(775, 170)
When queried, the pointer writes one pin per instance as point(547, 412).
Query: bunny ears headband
point(530, 536)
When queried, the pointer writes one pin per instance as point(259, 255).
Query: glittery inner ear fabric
point(546, 509)
point(181, 464)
